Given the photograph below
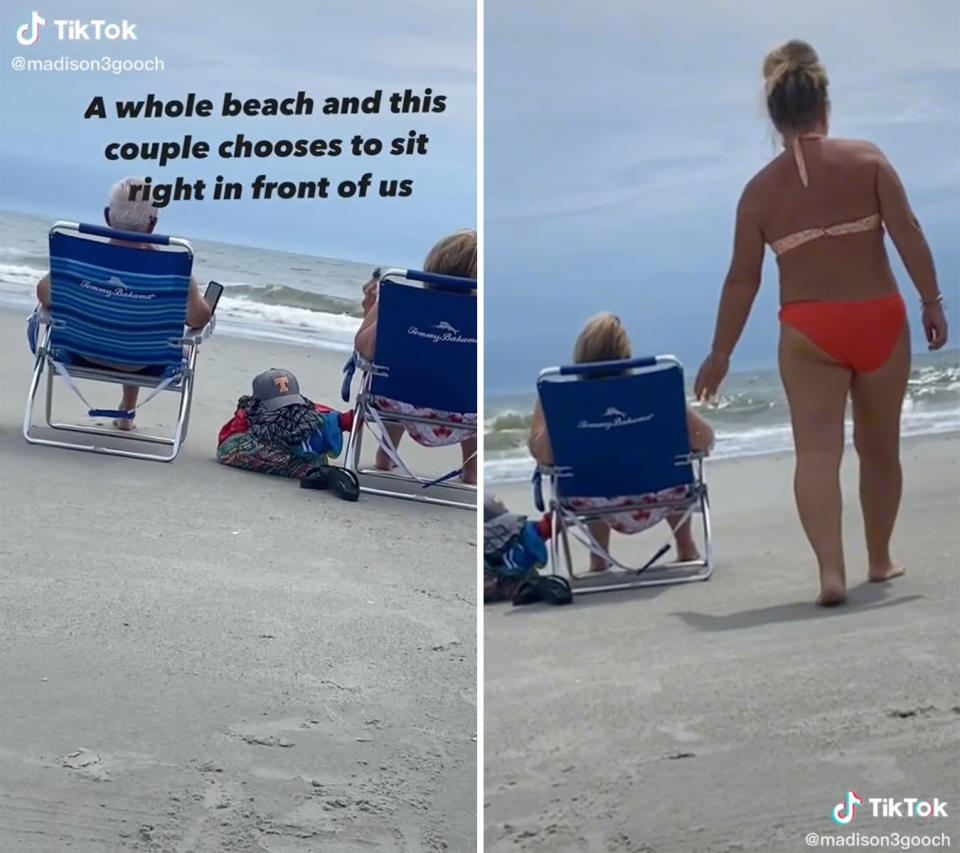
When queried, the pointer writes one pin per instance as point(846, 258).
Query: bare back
point(843, 178)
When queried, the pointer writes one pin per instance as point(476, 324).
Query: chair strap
point(125, 414)
point(582, 533)
point(386, 443)
point(454, 473)
point(348, 370)
point(388, 447)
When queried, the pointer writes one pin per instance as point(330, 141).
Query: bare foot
point(597, 566)
point(384, 462)
point(886, 572)
point(688, 554)
point(124, 424)
point(833, 588)
point(831, 597)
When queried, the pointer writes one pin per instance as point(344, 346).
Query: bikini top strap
point(798, 155)
point(801, 163)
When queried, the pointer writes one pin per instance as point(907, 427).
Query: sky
point(618, 137)
point(52, 160)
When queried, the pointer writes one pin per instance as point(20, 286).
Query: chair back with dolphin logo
point(618, 432)
point(118, 304)
point(425, 358)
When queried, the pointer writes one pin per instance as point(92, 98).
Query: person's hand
point(710, 375)
point(370, 291)
point(934, 325)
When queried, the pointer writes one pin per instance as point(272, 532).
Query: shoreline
point(750, 417)
point(905, 442)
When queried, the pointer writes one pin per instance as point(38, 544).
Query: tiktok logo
point(29, 33)
point(844, 817)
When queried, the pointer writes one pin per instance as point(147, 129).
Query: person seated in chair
point(603, 338)
point(454, 255)
point(141, 217)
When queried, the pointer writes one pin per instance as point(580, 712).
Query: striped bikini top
point(798, 238)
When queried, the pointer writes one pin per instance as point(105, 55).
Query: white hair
point(127, 215)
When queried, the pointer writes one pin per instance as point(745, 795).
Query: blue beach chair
point(118, 304)
point(426, 359)
point(621, 450)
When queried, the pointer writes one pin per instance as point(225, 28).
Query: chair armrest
point(198, 336)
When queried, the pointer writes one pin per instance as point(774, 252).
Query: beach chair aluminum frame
point(182, 384)
point(387, 483)
point(564, 518)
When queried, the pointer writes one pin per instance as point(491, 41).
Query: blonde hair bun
point(795, 84)
point(790, 57)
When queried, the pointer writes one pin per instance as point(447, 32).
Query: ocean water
point(267, 294)
point(749, 418)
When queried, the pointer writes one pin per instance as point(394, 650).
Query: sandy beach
point(194, 658)
point(733, 715)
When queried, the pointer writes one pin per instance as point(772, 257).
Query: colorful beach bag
point(280, 432)
point(513, 551)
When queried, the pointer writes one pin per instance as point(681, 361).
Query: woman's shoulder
point(861, 148)
point(760, 187)
point(853, 151)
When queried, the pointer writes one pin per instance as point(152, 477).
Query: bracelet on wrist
point(928, 303)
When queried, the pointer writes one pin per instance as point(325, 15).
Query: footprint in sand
point(274, 732)
point(86, 762)
point(268, 740)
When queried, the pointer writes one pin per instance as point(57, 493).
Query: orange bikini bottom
point(859, 335)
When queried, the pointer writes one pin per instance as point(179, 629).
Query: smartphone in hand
point(212, 295)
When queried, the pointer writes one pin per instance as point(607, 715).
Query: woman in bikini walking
point(822, 205)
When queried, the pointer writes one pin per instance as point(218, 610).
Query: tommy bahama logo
point(114, 287)
point(447, 334)
point(613, 418)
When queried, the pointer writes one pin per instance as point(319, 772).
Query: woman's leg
point(384, 462)
point(817, 387)
point(601, 532)
point(128, 402)
point(469, 448)
point(683, 533)
point(877, 399)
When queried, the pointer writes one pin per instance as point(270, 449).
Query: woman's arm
point(743, 278)
point(539, 442)
point(43, 291)
point(905, 230)
point(736, 299)
point(700, 433)
point(366, 337)
point(913, 249)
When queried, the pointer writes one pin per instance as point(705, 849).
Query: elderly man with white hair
point(141, 217)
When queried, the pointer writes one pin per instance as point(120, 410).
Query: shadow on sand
point(865, 596)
